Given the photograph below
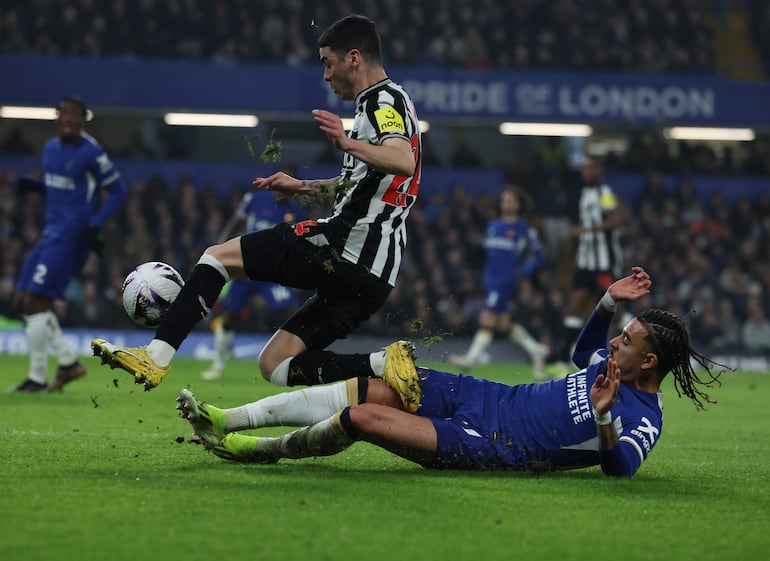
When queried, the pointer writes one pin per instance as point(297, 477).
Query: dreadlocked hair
point(667, 335)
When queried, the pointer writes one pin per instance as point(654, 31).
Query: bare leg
point(405, 434)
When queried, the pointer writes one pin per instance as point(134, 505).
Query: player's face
point(338, 73)
point(630, 349)
point(70, 121)
point(509, 203)
point(591, 172)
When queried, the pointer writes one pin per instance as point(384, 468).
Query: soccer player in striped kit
point(599, 256)
point(350, 258)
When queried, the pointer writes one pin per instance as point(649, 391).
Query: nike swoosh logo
point(206, 309)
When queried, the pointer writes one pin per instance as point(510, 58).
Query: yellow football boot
point(401, 375)
point(133, 360)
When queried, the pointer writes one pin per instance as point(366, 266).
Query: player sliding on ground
point(609, 413)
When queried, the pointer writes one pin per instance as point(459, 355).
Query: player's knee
point(379, 392)
point(365, 418)
point(266, 366)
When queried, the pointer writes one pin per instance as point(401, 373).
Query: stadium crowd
point(604, 35)
point(707, 256)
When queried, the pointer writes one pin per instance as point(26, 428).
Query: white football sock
point(160, 352)
point(223, 344)
point(280, 374)
point(481, 340)
point(520, 335)
point(36, 327)
point(64, 353)
point(377, 362)
point(321, 439)
point(295, 408)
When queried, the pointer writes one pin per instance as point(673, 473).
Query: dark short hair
point(353, 32)
point(77, 101)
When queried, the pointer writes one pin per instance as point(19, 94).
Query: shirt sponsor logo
point(388, 120)
point(646, 433)
point(59, 182)
point(577, 397)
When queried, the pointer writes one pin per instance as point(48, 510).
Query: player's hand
point(95, 240)
point(30, 185)
point(634, 286)
point(331, 125)
point(604, 392)
point(280, 182)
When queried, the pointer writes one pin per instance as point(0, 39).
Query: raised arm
point(394, 155)
point(593, 336)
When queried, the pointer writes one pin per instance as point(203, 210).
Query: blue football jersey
point(512, 249)
point(73, 173)
point(552, 424)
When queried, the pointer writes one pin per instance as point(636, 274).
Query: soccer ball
point(149, 290)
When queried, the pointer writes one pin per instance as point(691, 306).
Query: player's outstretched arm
point(291, 186)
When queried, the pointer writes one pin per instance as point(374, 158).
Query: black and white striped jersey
point(368, 223)
point(598, 250)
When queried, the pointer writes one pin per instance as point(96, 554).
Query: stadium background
point(697, 212)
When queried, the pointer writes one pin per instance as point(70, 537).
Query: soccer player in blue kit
point(513, 250)
point(74, 167)
point(609, 413)
point(258, 210)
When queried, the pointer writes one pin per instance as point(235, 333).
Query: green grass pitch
point(97, 473)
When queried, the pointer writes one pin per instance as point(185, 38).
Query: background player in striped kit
point(513, 250)
point(350, 258)
point(598, 259)
point(75, 167)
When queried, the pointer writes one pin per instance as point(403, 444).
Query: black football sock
point(193, 303)
point(321, 367)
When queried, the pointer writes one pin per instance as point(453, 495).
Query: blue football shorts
point(50, 266)
point(463, 410)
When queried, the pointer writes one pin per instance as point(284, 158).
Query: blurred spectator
point(15, 143)
point(658, 36)
point(756, 328)
point(438, 295)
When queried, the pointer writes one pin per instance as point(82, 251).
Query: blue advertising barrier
point(521, 95)
point(198, 345)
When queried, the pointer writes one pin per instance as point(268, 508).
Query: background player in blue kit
point(513, 250)
point(609, 413)
point(258, 210)
point(74, 167)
